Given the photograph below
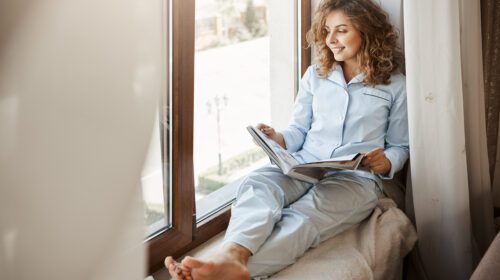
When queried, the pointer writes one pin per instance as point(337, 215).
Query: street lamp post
point(220, 103)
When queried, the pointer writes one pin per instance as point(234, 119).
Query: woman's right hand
point(272, 134)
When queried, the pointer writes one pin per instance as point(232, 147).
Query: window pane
point(232, 90)
point(155, 173)
point(156, 210)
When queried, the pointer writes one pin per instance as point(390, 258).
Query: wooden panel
point(178, 240)
point(183, 205)
point(305, 26)
point(204, 232)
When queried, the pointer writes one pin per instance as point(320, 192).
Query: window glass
point(232, 91)
point(156, 169)
point(156, 206)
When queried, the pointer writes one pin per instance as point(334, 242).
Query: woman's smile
point(337, 50)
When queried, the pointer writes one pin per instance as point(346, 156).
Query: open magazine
point(311, 172)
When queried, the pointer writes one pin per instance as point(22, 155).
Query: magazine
point(310, 172)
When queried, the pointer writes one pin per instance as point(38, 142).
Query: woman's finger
point(369, 161)
point(374, 152)
point(268, 131)
point(378, 156)
point(261, 125)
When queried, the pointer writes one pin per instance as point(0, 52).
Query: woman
point(353, 100)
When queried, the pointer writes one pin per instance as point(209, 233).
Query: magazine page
point(280, 156)
point(310, 175)
point(344, 162)
point(341, 158)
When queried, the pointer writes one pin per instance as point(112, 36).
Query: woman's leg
point(258, 206)
point(327, 209)
point(260, 200)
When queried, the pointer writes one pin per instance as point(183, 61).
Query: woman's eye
point(342, 31)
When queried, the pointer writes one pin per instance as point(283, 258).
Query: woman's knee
point(260, 191)
point(266, 180)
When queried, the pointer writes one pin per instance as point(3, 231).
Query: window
point(232, 90)
point(234, 64)
point(155, 193)
point(155, 174)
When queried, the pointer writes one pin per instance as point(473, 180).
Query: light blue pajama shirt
point(277, 217)
point(332, 118)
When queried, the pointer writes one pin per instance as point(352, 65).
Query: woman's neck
point(350, 71)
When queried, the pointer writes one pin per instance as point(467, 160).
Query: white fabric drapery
point(79, 85)
point(449, 166)
point(481, 201)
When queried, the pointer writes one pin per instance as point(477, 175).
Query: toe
point(171, 271)
point(187, 275)
point(179, 273)
point(168, 260)
point(175, 272)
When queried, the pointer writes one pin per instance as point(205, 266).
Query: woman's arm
point(397, 143)
point(295, 134)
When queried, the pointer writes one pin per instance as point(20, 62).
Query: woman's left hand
point(377, 161)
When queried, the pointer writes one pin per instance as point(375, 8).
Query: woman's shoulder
point(312, 70)
point(397, 82)
point(312, 74)
point(396, 85)
point(397, 78)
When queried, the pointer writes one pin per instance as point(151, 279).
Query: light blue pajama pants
point(278, 218)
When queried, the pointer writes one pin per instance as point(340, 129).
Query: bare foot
point(177, 270)
point(229, 263)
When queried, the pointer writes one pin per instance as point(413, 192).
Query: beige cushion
point(374, 249)
point(489, 267)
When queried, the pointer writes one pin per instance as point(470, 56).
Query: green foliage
point(210, 180)
point(251, 19)
point(152, 213)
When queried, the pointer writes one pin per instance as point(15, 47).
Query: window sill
point(222, 198)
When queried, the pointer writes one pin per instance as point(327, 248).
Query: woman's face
point(343, 39)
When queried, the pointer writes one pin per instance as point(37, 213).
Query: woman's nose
point(332, 39)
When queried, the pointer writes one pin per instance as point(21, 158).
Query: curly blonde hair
point(379, 54)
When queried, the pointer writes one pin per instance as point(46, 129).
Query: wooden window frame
point(305, 25)
point(184, 233)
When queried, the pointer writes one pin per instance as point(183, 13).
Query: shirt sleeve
point(296, 131)
point(396, 142)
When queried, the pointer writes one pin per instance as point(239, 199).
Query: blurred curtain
point(78, 91)
point(449, 162)
point(490, 20)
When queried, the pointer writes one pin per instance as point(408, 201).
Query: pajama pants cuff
point(242, 242)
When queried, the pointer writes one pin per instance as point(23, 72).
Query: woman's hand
point(377, 161)
point(272, 134)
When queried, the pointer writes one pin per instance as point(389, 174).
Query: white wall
point(284, 58)
point(79, 82)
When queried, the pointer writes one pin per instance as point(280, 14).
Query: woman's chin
point(339, 58)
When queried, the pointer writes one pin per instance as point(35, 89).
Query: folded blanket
point(374, 249)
